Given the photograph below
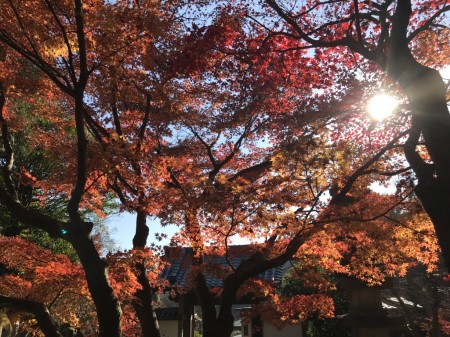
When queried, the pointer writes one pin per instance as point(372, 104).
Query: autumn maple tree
point(222, 127)
point(389, 35)
point(62, 47)
point(43, 277)
point(252, 199)
point(281, 206)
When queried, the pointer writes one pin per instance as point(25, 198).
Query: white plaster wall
point(287, 331)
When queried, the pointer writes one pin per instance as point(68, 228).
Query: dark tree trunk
point(142, 303)
point(107, 305)
point(96, 270)
point(39, 310)
point(78, 231)
point(222, 326)
point(225, 320)
point(426, 91)
point(209, 314)
point(431, 119)
point(214, 325)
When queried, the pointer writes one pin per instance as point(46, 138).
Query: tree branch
point(357, 21)
point(32, 217)
point(84, 73)
point(39, 310)
point(61, 81)
point(428, 23)
point(400, 23)
point(9, 153)
point(70, 67)
point(422, 169)
point(252, 173)
point(302, 34)
point(363, 169)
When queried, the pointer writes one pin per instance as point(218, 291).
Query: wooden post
point(185, 316)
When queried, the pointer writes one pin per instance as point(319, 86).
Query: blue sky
point(122, 228)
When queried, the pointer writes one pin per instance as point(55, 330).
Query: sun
point(381, 106)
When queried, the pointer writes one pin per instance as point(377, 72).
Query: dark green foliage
point(58, 246)
point(31, 157)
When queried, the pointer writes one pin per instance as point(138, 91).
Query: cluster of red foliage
point(248, 124)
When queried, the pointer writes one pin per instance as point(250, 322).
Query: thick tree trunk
point(222, 326)
point(206, 300)
point(432, 119)
point(435, 198)
point(142, 303)
point(96, 270)
point(107, 305)
point(219, 328)
point(426, 92)
point(213, 325)
point(225, 320)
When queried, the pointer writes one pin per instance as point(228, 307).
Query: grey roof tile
point(180, 261)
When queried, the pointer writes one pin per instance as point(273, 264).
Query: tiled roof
point(167, 314)
point(180, 261)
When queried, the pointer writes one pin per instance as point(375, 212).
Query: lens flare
point(381, 106)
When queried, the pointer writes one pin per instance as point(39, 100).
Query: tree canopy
point(246, 119)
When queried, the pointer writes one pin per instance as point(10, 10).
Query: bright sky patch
point(381, 106)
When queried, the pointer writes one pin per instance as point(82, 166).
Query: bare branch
point(145, 120)
point(252, 173)
point(302, 34)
